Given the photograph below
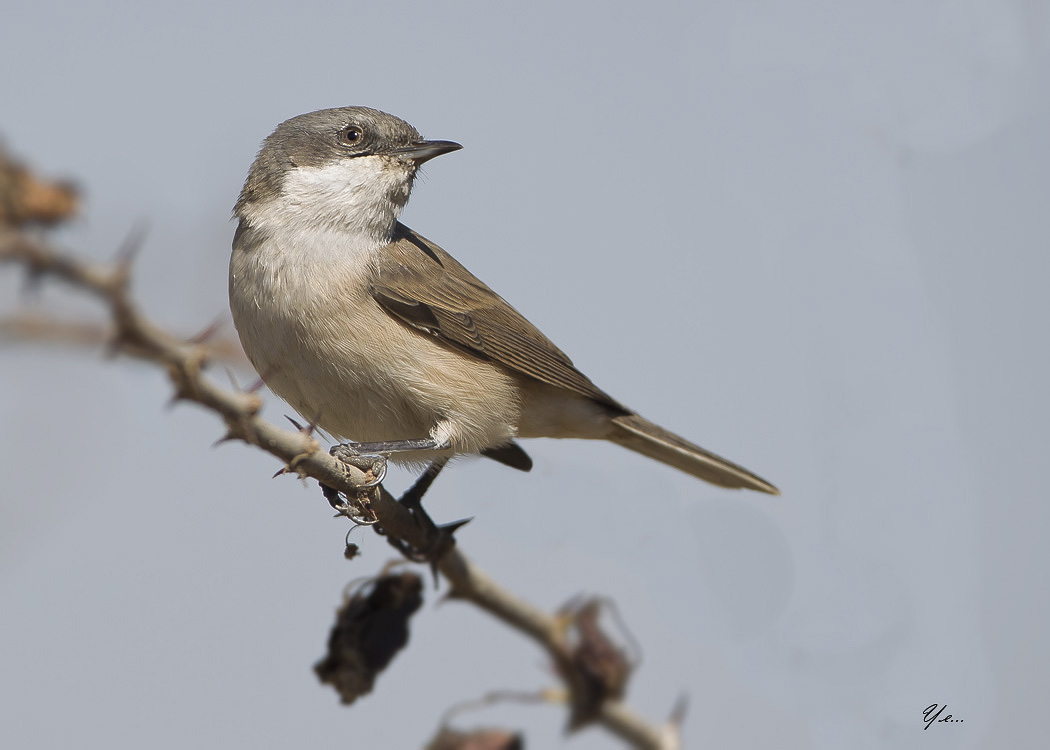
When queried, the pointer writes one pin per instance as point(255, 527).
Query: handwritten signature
point(932, 711)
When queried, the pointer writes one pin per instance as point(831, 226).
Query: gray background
point(810, 236)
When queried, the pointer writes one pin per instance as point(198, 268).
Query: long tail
point(641, 435)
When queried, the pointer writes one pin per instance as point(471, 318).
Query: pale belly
point(343, 363)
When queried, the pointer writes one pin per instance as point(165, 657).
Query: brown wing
point(425, 287)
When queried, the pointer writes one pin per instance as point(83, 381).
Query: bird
point(380, 337)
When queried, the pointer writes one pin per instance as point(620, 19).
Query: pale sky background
point(810, 236)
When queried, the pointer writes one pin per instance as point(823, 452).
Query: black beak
point(422, 151)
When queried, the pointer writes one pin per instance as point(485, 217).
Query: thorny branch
point(135, 335)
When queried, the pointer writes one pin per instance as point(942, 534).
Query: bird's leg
point(441, 537)
point(395, 446)
point(414, 495)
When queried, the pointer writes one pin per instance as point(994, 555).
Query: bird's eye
point(352, 134)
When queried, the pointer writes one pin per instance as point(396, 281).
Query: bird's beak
point(422, 151)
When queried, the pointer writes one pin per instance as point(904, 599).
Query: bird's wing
point(426, 288)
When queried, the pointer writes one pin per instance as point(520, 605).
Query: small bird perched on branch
point(380, 336)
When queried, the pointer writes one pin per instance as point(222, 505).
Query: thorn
point(262, 379)
point(113, 346)
point(681, 706)
point(32, 284)
point(179, 395)
point(447, 531)
point(130, 248)
point(573, 605)
point(452, 528)
point(209, 331)
point(224, 439)
point(308, 429)
point(256, 386)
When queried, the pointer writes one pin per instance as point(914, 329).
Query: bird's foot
point(358, 507)
point(367, 461)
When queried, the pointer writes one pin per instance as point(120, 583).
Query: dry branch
point(137, 336)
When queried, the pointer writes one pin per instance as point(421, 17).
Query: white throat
point(360, 198)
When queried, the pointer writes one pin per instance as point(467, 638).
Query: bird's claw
point(359, 512)
point(358, 509)
point(367, 462)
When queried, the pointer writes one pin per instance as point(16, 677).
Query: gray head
point(338, 161)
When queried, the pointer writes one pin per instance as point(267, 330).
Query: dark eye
point(352, 134)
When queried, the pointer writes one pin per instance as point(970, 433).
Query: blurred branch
point(592, 671)
point(36, 329)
